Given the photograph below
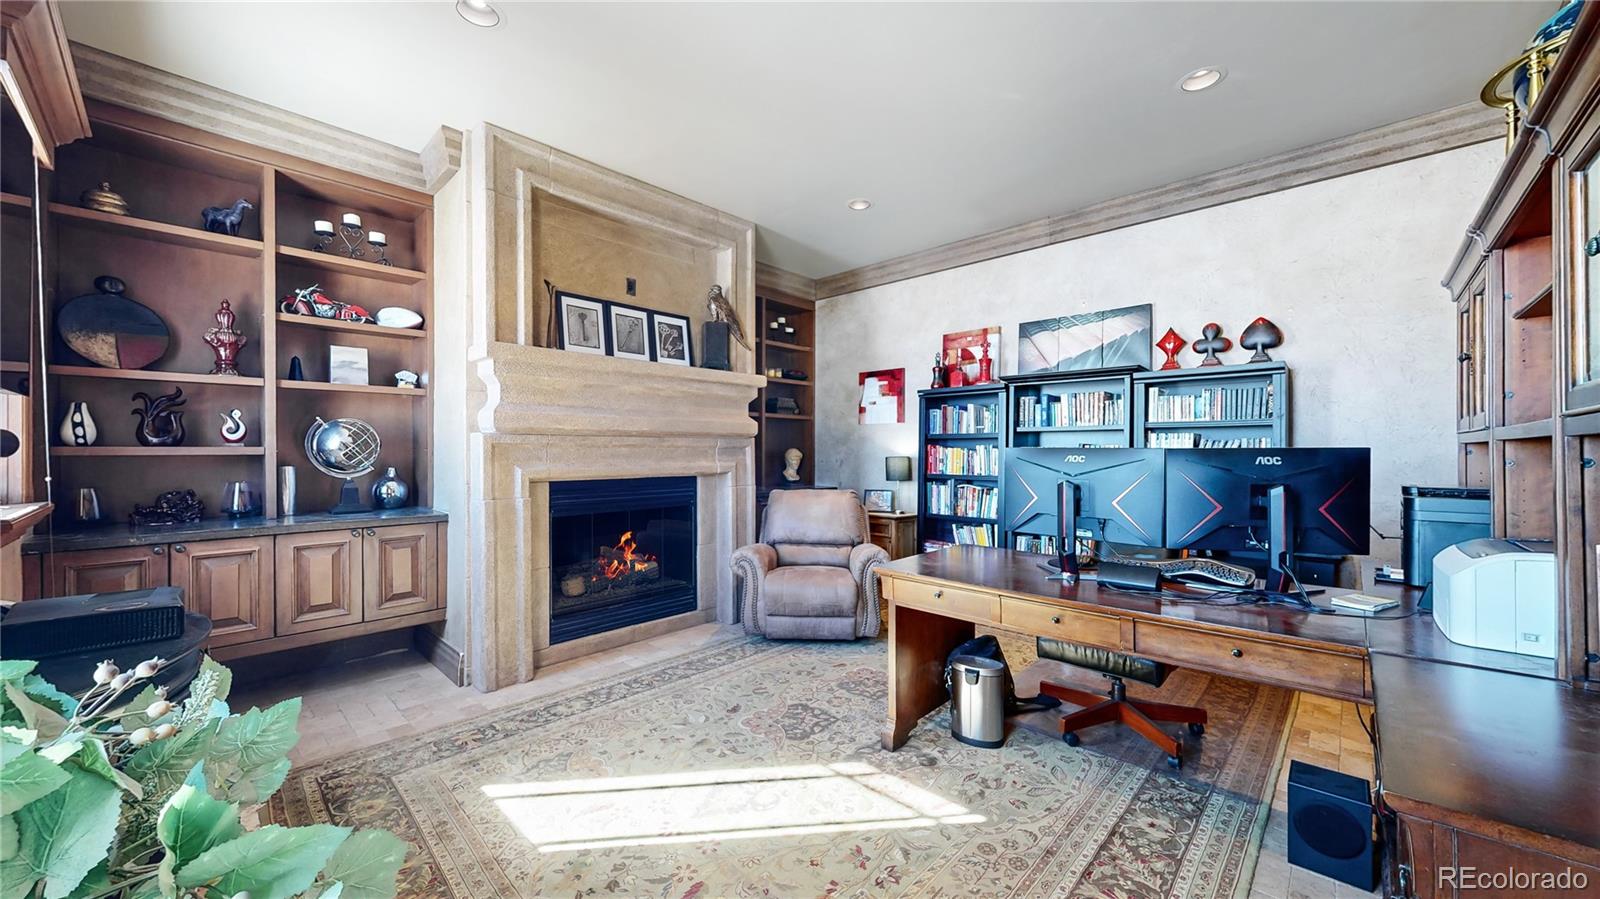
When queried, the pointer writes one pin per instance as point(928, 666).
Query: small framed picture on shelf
point(670, 337)
point(347, 364)
point(878, 500)
point(630, 333)
point(582, 322)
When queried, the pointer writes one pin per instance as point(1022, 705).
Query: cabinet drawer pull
point(355, 532)
point(937, 594)
point(1237, 653)
point(1055, 619)
point(158, 550)
point(179, 548)
point(371, 532)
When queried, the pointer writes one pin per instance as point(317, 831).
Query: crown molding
point(134, 85)
point(777, 280)
point(1436, 132)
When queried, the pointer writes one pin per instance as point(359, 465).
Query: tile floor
point(369, 701)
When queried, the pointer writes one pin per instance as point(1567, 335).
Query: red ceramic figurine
point(985, 366)
point(225, 342)
point(1171, 343)
point(955, 375)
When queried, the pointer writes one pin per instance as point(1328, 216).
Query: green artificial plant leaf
point(134, 716)
point(274, 862)
point(95, 883)
point(13, 740)
point(192, 822)
point(46, 693)
point(90, 755)
point(15, 669)
point(331, 891)
point(47, 721)
point(367, 864)
point(248, 760)
point(209, 686)
point(28, 777)
point(161, 767)
point(65, 833)
point(8, 837)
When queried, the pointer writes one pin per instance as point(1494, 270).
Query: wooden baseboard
point(430, 643)
point(327, 635)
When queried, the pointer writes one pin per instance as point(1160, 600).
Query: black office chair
point(1137, 714)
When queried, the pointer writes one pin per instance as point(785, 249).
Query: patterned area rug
point(753, 768)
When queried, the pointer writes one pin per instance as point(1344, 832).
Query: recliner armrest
point(864, 560)
point(865, 557)
point(751, 564)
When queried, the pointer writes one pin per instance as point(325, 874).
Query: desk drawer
point(953, 600)
point(1324, 673)
point(1043, 620)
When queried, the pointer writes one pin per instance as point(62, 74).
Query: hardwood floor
point(369, 701)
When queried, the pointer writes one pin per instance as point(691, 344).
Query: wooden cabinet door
point(105, 570)
point(317, 581)
point(230, 582)
point(402, 570)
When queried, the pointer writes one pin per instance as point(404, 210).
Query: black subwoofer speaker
point(1330, 825)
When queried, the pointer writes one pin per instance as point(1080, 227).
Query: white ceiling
point(954, 119)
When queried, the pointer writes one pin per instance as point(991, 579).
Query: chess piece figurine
point(233, 427)
point(722, 311)
point(791, 464)
point(297, 372)
point(955, 375)
point(938, 373)
point(1211, 343)
point(225, 342)
point(78, 427)
point(985, 366)
point(1171, 343)
point(1262, 335)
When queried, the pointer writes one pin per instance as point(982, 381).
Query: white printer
point(1497, 594)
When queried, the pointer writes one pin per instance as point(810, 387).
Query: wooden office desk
point(935, 599)
point(1485, 763)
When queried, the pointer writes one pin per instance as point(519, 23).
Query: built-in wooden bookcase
point(963, 435)
point(1225, 406)
point(167, 173)
point(790, 346)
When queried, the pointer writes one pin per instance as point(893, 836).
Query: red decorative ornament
point(225, 342)
point(1171, 343)
point(955, 375)
point(985, 366)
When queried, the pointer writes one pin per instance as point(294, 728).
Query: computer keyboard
point(1207, 569)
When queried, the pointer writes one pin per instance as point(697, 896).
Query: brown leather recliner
point(813, 575)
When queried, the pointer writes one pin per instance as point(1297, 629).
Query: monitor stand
point(1280, 544)
point(1065, 564)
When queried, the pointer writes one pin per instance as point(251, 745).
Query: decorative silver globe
point(344, 448)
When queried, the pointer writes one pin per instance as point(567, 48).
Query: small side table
point(896, 532)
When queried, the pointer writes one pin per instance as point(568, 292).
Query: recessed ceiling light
point(1200, 79)
point(859, 204)
point(478, 12)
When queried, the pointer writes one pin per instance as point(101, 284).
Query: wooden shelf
point(145, 229)
point(959, 518)
point(344, 265)
point(1070, 428)
point(1237, 423)
point(16, 200)
point(793, 382)
point(1538, 307)
point(785, 345)
point(989, 436)
point(156, 451)
point(785, 416)
point(962, 477)
point(411, 392)
point(329, 324)
point(18, 367)
point(145, 374)
point(1543, 427)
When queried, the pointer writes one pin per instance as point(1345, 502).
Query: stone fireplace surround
point(538, 415)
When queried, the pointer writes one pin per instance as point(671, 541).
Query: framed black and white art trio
point(606, 328)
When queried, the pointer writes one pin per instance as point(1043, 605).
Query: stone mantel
point(534, 390)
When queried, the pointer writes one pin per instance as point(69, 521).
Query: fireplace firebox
point(621, 553)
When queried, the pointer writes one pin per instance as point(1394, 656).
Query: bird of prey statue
point(722, 311)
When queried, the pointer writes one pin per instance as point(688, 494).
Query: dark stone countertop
point(115, 535)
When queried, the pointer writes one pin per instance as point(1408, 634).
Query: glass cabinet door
point(1472, 356)
point(1584, 377)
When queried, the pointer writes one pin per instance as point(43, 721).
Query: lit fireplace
point(621, 553)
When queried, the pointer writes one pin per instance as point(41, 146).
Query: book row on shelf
point(964, 500)
point(973, 418)
point(981, 461)
point(1191, 440)
point(1212, 404)
point(1085, 409)
point(1033, 543)
point(964, 535)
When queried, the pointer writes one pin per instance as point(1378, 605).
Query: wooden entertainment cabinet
point(267, 582)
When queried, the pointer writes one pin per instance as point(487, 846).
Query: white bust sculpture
point(791, 464)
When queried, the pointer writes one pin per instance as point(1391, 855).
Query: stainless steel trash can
point(977, 700)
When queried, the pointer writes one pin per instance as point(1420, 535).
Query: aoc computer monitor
point(1108, 494)
point(1282, 501)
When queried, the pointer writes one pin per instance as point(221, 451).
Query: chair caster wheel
point(1175, 762)
point(1071, 739)
point(1197, 729)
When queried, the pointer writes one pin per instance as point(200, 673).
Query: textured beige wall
point(451, 328)
point(1349, 268)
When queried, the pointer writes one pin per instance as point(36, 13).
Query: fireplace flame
point(623, 559)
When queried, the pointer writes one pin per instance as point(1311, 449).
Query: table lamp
point(897, 469)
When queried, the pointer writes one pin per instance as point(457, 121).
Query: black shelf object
point(980, 427)
point(1222, 405)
